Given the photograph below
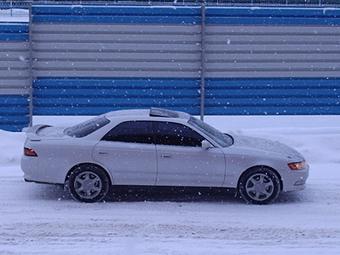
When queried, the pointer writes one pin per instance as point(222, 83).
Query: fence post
point(30, 59)
point(202, 68)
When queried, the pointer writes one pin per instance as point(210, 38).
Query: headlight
point(297, 165)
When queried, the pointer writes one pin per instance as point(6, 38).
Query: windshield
point(87, 127)
point(222, 139)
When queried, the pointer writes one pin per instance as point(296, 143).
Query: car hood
point(267, 145)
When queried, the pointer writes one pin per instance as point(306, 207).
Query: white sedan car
point(158, 147)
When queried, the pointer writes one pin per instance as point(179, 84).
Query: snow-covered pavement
point(36, 219)
point(14, 15)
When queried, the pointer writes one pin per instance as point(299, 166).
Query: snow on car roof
point(159, 112)
point(132, 112)
point(153, 112)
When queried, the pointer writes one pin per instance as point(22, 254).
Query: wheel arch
point(91, 164)
point(255, 167)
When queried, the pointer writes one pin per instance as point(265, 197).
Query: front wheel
point(88, 183)
point(259, 186)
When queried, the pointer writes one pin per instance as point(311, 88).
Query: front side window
point(168, 133)
point(131, 132)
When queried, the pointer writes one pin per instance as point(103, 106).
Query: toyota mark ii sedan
point(158, 147)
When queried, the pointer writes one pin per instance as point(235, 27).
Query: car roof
point(148, 114)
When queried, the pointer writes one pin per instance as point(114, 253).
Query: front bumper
point(295, 180)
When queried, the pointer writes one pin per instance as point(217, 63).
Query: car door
point(181, 159)
point(129, 153)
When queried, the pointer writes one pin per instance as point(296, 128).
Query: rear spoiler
point(34, 129)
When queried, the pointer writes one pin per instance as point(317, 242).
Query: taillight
point(30, 152)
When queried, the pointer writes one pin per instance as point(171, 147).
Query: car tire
point(260, 185)
point(89, 184)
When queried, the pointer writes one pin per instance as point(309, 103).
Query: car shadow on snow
point(141, 194)
point(160, 194)
point(48, 192)
point(296, 197)
point(163, 194)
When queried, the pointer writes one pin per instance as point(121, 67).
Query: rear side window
point(131, 132)
point(87, 127)
point(168, 133)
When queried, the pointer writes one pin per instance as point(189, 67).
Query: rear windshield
point(87, 127)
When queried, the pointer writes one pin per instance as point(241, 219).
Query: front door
point(181, 159)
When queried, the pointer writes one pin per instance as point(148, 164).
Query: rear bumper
point(32, 171)
point(29, 166)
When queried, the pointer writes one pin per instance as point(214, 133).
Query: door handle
point(165, 156)
point(102, 153)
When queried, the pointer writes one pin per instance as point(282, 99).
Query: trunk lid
point(37, 132)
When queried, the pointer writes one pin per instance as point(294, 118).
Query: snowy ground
point(40, 219)
point(14, 15)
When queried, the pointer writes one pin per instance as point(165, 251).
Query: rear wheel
point(259, 185)
point(88, 183)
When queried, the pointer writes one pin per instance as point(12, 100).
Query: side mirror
point(206, 145)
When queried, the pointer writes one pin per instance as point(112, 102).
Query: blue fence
point(116, 15)
point(280, 64)
point(13, 112)
point(14, 106)
point(272, 16)
point(13, 32)
point(147, 56)
point(93, 59)
point(92, 96)
point(263, 96)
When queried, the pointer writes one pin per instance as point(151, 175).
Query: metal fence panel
point(95, 58)
point(14, 76)
point(92, 96)
point(92, 59)
point(272, 60)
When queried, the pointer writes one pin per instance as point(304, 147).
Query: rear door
point(181, 159)
point(129, 153)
